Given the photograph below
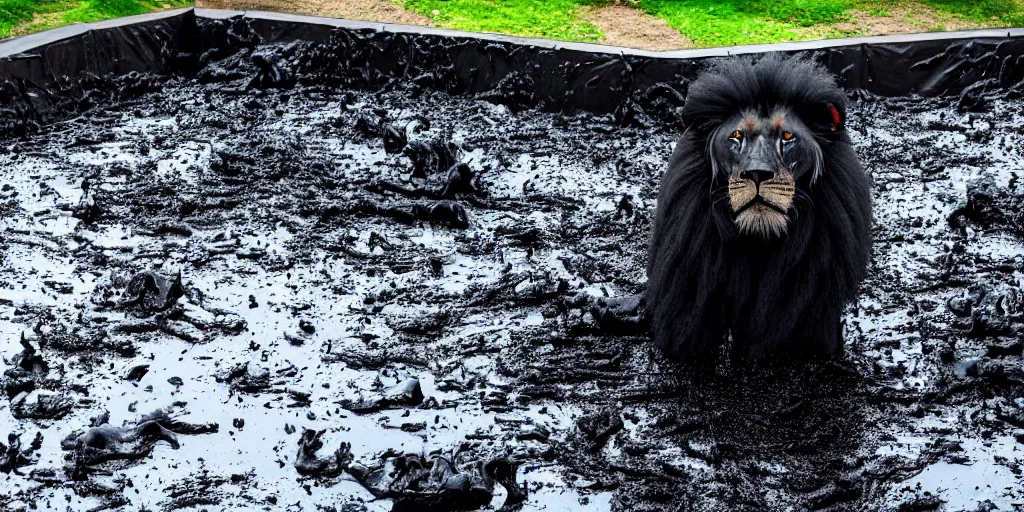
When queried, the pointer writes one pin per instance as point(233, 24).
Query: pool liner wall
point(292, 187)
point(40, 70)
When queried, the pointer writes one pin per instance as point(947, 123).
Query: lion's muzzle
point(760, 201)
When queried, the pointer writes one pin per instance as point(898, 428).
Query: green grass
point(554, 19)
point(1001, 12)
point(705, 22)
point(26, 16)
point(14, 12)
point(733, 22)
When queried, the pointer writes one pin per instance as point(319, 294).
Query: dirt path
point(630, 27)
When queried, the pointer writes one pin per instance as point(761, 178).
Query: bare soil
point(630, 27)
point(40, 21)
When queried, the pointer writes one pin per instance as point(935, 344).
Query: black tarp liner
point(42, 70)
point(44, 75)
point(944, 248)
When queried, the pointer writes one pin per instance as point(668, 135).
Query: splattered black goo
point(359, 298)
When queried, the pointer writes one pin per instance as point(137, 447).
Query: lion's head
point(764, 143)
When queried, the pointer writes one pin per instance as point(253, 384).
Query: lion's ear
point(825, 117)
point(835, 117)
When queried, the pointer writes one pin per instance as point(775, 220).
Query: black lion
point(763, 225)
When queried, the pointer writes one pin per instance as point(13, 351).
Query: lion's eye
point(788, 137)
point(736, 135)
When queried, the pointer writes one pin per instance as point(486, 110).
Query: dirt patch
point(630, 27)
point(384, 11)
point(38, 22)
point(905, 19)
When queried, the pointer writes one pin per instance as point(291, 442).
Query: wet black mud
point(391, 298)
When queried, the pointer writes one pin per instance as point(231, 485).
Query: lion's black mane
point(783, 295)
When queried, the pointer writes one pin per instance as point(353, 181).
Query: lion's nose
point(757, 176)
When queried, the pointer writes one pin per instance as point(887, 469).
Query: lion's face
point(763, 157)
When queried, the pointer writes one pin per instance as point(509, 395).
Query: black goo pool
point(259, 283)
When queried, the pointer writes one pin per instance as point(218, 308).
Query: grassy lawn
point(19, 17)
point(716, 22)
point(554, 19)
point(1009, 12)
point(702, 23)
point(732, 22)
